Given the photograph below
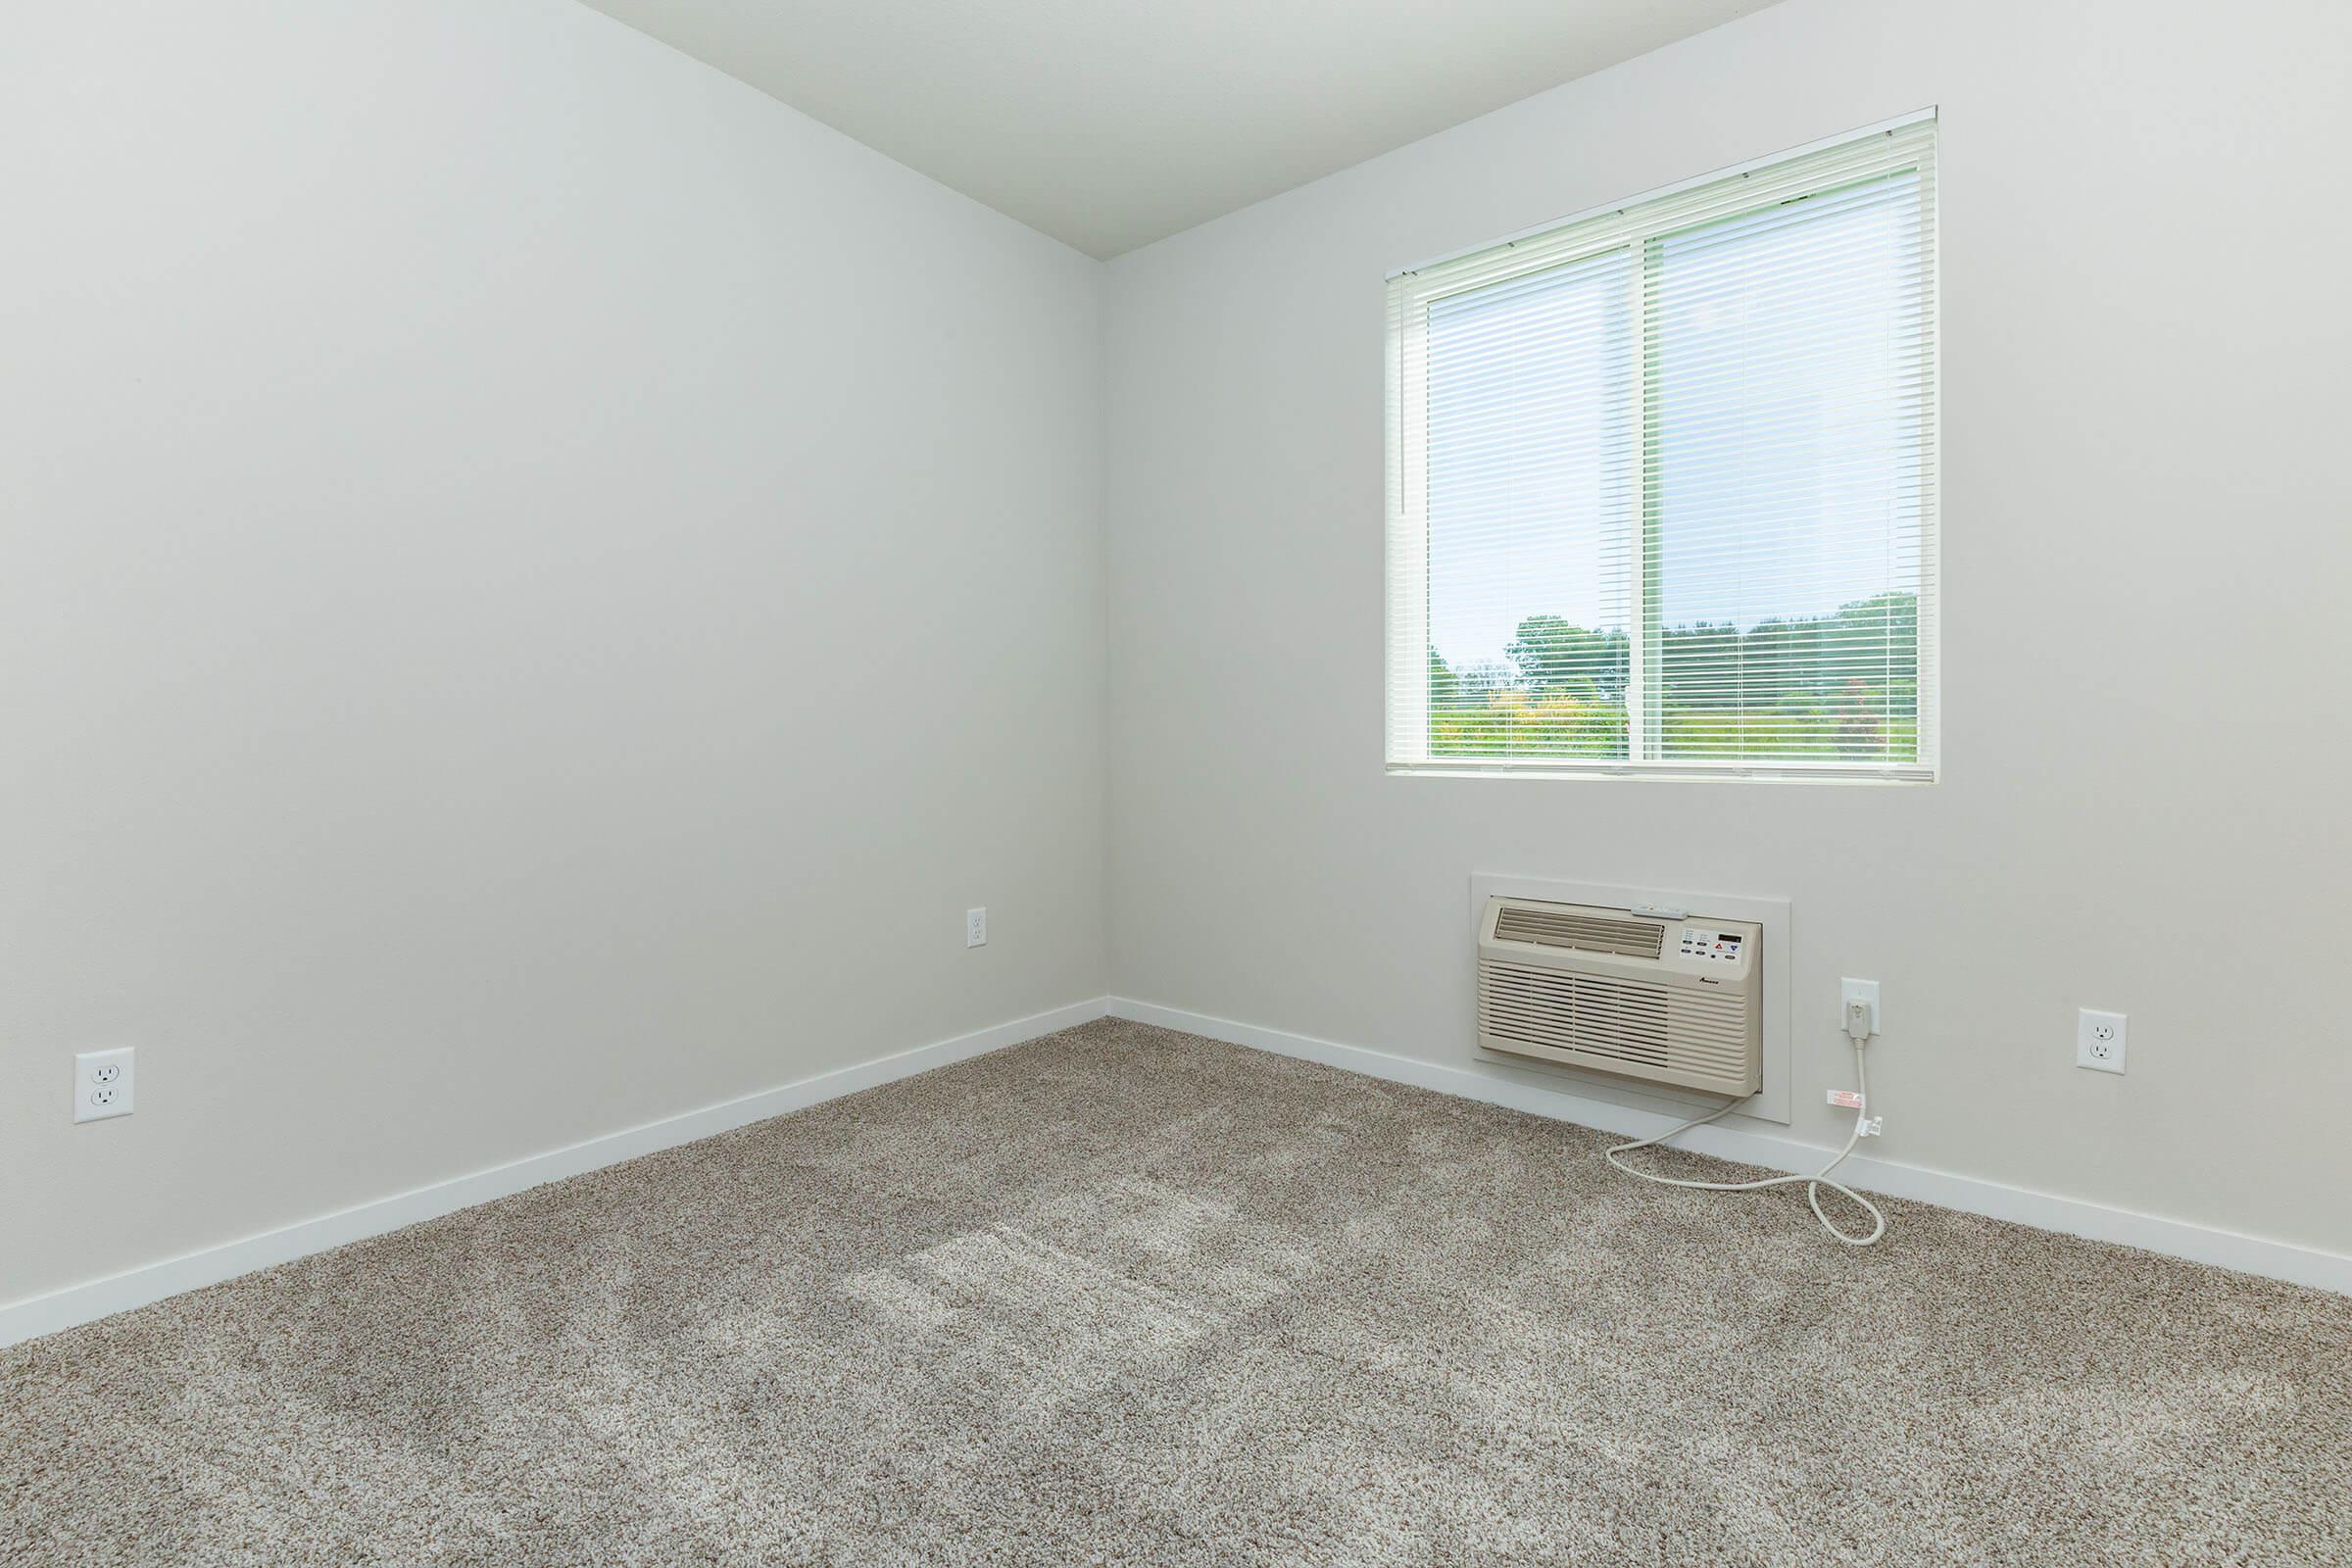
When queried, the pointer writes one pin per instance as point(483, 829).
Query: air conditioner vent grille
point(1588, 933)
point(1698, 1036)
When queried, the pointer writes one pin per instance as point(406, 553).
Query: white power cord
point(1857, 1029)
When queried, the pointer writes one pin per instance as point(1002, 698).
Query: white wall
point(2148, 526)
point(539, 585)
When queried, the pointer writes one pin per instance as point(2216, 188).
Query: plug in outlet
point(1865, 992)
point(102, 1084)
point(2099, 1041)
point(975, 928)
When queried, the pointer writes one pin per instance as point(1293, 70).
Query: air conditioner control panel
point(1700, 943)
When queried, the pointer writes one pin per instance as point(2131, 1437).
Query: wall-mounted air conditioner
point(1666, 997)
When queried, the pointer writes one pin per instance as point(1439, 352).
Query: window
point(1662, 482)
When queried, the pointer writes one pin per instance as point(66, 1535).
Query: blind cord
point(1813, 1183)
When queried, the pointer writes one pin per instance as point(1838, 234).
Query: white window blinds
point(1662, 481)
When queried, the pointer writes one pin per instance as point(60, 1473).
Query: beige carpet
point(1128, 1296)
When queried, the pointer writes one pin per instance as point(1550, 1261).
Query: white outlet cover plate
point(975, 928)
point(2099, 1040)
point(102, 1084)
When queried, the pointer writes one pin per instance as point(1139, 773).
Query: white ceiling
point(1111, 124)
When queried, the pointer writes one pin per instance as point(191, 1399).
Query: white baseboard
point(2072, 1217)
point(119, 1293)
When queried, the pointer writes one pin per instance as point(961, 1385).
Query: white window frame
point(1892, 146)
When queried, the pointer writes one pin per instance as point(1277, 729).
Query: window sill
point(1673, 773)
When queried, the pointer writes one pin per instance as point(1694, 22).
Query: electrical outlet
point(975, 928)
point(1850, 992)
point(2099, 1040)
point(102, 1084)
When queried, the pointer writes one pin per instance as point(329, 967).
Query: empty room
point(876, 782)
